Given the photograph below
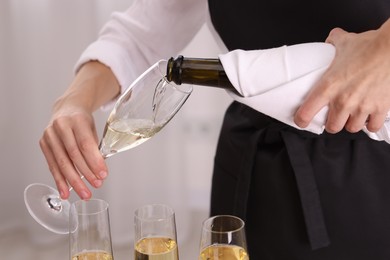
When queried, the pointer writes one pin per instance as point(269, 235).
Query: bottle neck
point(204, 72)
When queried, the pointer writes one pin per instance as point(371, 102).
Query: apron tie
point(308, 192)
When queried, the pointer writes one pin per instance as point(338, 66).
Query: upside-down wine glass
point(140, 112)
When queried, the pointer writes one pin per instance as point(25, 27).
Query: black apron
point(302, 195)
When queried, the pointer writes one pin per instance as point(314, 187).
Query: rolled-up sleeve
point(149, 30)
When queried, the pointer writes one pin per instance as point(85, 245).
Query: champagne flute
point(140, 112)
point(89, 231)
point(223, 238)
point(155, 233)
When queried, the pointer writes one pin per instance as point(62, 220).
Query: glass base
point(46, 208)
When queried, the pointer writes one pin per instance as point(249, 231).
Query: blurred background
point(40, 41)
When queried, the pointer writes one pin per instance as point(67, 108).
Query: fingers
point(322, 95)
point(372, 122)
point(343, 113)
point(60, 181)
point(61, 166)
point(354, 88)
point(354, 124)
point(346, 110)
point(93, 163)
point(76, 158)
point(317, 99)
point(70, 148)
point(336, 121)
point(376, 121)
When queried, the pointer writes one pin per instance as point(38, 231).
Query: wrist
point(93, 86)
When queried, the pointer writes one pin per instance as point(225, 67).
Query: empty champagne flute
point(89, 231)
point(155, 233)
point(140, 112)
point(223, 238)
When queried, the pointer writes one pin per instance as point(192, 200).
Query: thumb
point(335, 35)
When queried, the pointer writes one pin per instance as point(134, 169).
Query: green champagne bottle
point(198, 71)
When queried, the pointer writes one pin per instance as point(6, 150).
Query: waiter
point(303, 196)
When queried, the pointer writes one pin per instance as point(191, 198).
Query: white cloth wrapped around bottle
point(275, 81)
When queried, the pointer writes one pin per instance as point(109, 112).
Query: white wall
point(40, 41)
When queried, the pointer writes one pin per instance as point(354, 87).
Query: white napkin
point(275, 81)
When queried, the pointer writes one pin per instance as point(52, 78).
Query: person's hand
point(356, 86)
point(69, 142)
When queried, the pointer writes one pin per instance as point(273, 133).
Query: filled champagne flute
point(89, 231)
point(155, 233)
point(143, 110)
point(223, 238)
point(140, 112)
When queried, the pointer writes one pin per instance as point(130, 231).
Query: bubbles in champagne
point(156, 248)
point(125, 134)
point(223, 251)
point(93, 255)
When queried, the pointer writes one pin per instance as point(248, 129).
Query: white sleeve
point(148, 31)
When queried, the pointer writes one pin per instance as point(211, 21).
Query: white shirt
point(146, 32)
point(151, 30)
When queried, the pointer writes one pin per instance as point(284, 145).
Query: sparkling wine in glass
point(142, 111)
point(155, 233)
point(89, 231)
point(222, 238)
point(139, 113)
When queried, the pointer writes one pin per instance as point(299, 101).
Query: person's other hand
point(69, 142)
point(356, 86)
